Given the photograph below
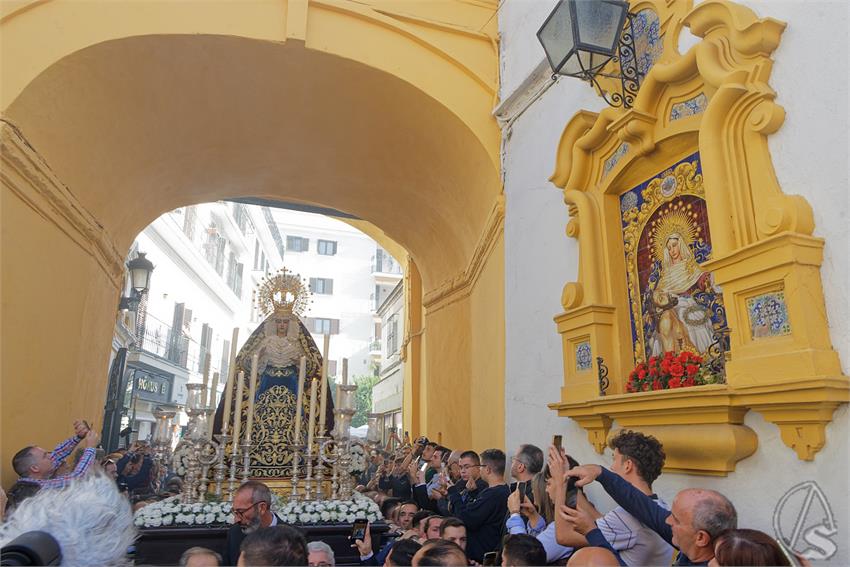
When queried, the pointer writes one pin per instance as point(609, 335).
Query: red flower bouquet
point(671, 371)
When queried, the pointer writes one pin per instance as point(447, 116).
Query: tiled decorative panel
point(689, 107)
point(612, 161)
point(646, 30)
point(768, 315)
point(674, 304)
point(584, 357)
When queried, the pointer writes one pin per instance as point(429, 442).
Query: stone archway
point(138, 112)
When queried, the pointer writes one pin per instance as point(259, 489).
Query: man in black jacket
point(251, 511)
point(484, 513)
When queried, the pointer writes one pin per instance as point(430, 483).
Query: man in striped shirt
point(638, 460)
point(36, 466)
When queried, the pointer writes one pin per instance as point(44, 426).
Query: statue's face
point(282, 327)
point(673, 249)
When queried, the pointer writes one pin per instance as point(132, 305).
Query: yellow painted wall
point(55, 304)
point(487, 397)
point(139, 108)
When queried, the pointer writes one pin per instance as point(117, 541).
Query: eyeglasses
point(241, 512)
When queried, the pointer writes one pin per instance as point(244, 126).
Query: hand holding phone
point(557, 441)
point(521, 487)
point(490, 558)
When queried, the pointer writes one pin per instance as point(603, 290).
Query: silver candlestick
point(246, 461)
point(220, 468)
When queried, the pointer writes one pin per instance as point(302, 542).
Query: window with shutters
point(392, 334)
point(206, 343)
point(190, 220)
point(326, 247)
point(324, 326)
point(322, 286)
point(297, 244)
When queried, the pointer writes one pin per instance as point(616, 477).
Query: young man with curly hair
point(638, 460)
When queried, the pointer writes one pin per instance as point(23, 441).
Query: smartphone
point(358, 530)
point(557, 441)
point(491, 558)
point(521, 487)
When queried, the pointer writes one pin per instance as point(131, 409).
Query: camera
point(31, 548)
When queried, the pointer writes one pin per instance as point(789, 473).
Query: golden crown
point(282, 293)
point(677, 219)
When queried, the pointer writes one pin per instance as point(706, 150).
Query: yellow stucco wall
point(138, 108)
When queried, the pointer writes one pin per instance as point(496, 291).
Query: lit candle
point(237, 410)
point(323, 394)
point(252, 392)
point(206, 380)
point(302, 373)
point(311, 426)
point(344, 372)
point(231, 373)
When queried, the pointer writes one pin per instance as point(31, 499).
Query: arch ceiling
point(135, 126)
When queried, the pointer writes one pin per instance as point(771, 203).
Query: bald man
point(593, 557)
point(695, 520)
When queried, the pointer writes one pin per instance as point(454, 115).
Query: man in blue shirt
point(695, 520)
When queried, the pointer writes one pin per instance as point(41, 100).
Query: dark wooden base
point(164, 546)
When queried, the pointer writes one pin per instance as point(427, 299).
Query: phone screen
point(521, 487)
point(557, 441)
point(358, 530)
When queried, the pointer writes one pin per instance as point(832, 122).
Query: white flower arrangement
point(172, 512)
point(331, 511)
point(358, 460)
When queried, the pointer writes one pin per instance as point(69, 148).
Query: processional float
point(274, 419)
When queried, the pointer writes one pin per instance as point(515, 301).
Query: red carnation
point(668, 355)
point(645, 386)
point(683, 357)
point(653, 372)
point(675, 383)
point(656, 384)
point(652, 360)
point(677, 369)
point(688, 382)
point(692, 369)
point(665, 367)
point(642, 374)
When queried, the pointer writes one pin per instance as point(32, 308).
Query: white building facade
point(349, 275)
point(540, 259)
point(207, 259)
point(388, 392)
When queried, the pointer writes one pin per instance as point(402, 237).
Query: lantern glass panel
point(556, 35)
point(599, 24)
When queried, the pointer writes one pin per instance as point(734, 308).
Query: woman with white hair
point(89, 519)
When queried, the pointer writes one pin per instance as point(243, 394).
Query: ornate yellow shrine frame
point(715, 99)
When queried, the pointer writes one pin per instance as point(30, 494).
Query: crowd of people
point(441, 507)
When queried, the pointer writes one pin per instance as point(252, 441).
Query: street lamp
point(581, 36)
point(139, 271)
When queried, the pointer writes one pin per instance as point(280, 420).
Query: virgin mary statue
point(279, 343)
point(682, 323)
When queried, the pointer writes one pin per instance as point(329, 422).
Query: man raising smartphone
point(36, 466)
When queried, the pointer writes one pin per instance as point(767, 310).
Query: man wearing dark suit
point(251, 511)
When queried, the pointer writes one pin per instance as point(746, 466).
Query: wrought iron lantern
point(580, 37)
point(140, 269)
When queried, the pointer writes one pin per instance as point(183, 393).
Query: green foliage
point(363, 399)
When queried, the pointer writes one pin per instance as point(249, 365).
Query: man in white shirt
point(638, 459)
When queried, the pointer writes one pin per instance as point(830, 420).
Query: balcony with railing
point(158, 339)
